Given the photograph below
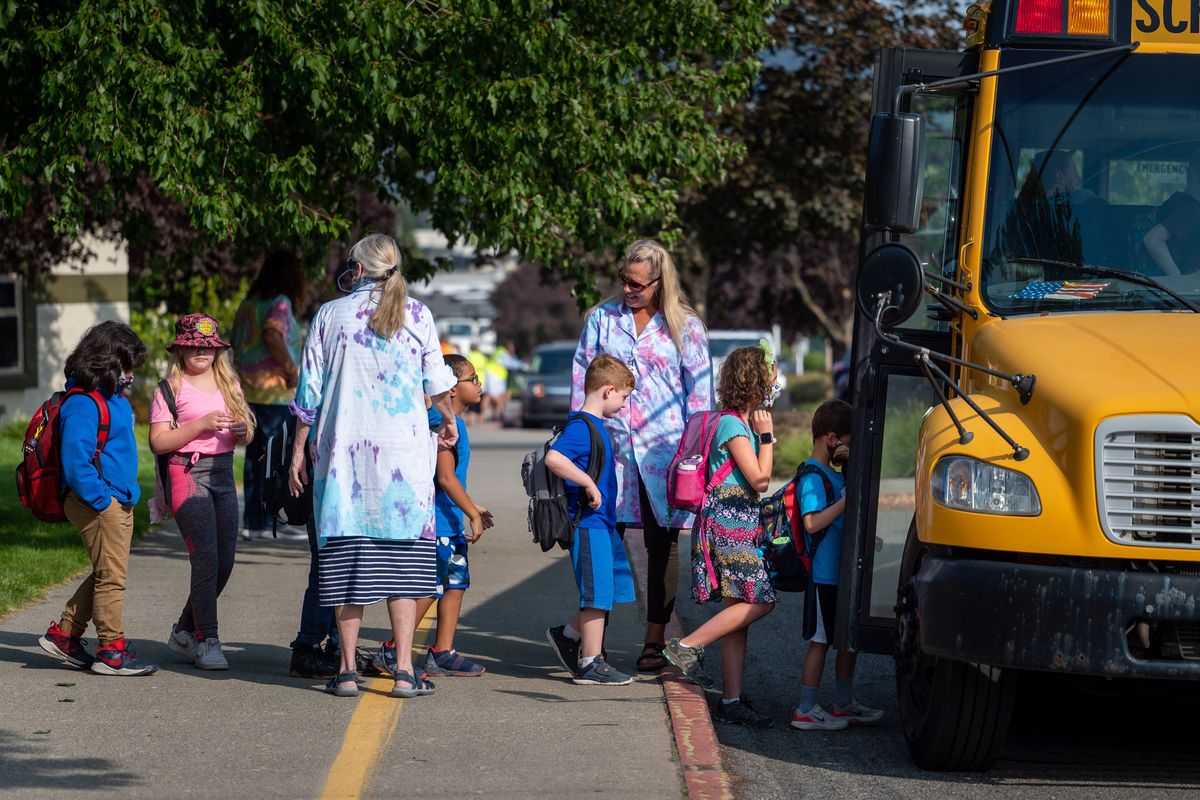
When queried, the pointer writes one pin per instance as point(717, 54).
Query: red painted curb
point(704, 775)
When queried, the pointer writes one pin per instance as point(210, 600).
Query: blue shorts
point(453, 572)
point(601, 568)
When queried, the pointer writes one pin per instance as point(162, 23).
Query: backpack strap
point(726, 469)
point(103, 422)
point(168, 396)
point(808, 468)
point(595, 460)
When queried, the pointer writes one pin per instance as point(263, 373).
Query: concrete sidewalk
point(521, 730)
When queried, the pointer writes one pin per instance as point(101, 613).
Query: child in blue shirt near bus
point(831, 442)
point(597, 552)
point(460, 521)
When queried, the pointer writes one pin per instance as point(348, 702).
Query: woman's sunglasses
point(634, 286)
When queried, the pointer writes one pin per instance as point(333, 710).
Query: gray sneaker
point(688, 661)
point(209, 655)
point(601, 673)
point(183, 643)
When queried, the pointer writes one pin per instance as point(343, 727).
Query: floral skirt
point(726, 561)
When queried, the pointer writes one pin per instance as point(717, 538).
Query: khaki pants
point(107, 536)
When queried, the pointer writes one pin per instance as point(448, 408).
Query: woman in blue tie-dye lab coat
point(651, 328)
point(370, 360)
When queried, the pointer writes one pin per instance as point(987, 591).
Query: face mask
point(124, 383)
point(773, 393)
point(840, 457)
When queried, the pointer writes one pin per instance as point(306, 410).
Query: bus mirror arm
point(972, 81)
point(938, 378)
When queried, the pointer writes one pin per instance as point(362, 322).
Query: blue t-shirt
point(448, 515)
point(827, 561)
point(576, 444)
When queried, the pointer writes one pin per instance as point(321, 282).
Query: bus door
point(889, 393)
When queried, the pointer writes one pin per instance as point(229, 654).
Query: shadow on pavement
point(24, 766)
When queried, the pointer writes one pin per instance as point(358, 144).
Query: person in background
point(1174, 243)
point(266, 340)
point(495, 381)
point(101, 494)
point(651, 329)
point(479, 363)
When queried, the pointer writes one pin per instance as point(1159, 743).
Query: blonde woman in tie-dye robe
point(652, 329)
point(368, 363)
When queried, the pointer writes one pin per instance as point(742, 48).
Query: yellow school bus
point(1024, 491)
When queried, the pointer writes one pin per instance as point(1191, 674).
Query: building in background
point(38, 328)
point(460, 298)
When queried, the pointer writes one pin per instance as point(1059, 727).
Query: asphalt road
point(1099, 740)
point(522, 730)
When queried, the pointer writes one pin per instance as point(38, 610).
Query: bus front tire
point(955, 715)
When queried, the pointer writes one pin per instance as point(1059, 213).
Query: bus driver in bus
point(1174, 243)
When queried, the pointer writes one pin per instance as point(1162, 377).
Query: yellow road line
point(370, 730)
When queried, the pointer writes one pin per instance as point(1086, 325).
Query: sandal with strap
point(334, 686)
point(652, 659)
point(420, 686)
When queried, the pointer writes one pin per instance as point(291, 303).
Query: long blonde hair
point(380, 260)
point(227, 381)
point(672, 300)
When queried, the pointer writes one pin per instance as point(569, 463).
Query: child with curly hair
point(726, 564)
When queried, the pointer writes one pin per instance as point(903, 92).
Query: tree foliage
point(778, 238)
point(542, 126)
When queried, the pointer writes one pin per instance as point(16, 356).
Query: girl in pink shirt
point(197, 417)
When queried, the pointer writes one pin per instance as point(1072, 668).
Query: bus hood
point(1093, 366)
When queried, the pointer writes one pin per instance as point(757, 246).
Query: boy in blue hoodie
point(101, 493)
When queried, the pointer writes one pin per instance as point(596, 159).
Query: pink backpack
point(687, 478)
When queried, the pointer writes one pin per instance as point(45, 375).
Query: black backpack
point(787, 548)
point(277, 498)
point(549, 521)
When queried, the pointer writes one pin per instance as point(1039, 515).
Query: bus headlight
point(973, 485)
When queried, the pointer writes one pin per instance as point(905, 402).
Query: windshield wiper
point(1111, 272)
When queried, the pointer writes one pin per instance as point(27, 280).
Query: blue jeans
point(270, 420)
point(316, 622)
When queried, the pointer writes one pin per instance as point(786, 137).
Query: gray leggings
point(204, 502)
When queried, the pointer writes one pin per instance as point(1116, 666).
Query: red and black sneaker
point(61, 645)
point(115, 658)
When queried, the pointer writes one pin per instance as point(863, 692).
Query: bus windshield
point(1091, 162)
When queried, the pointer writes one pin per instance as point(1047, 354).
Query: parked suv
point(547, 395)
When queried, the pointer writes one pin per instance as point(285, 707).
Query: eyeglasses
point(634, 286)
point(473, 379)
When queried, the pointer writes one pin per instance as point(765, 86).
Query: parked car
point(462, 332)
point(546, 398)
point(723, 342)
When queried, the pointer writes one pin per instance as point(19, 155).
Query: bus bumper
point(1060, 619)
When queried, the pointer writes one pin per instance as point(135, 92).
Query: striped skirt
point(360, 571)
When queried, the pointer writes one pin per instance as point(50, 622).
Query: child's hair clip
point(768, 352)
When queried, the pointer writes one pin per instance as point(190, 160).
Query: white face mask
point(773, 393)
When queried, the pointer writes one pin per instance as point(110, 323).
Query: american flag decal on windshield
point(1060, 290)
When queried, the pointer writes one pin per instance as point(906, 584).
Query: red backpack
point(39, 479)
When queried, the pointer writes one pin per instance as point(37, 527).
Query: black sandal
point(652, 659)
point(334, 688)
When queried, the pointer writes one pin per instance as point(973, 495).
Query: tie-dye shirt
point(374, 453)
point(671, 386)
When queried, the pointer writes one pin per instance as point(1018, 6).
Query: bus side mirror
point(891, 274)
point(895, 172)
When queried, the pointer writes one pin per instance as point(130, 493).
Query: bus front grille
point(1148, 480)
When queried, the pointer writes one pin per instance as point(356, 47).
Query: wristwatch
point(766, 438)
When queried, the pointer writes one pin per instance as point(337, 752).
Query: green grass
point(793, 449)
point(37, 555)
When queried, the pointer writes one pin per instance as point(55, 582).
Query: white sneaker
point(856, 713)
point(209, 655)
point(182, 642)
point(249, 533)
point(817, 719)
point(292, 533)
